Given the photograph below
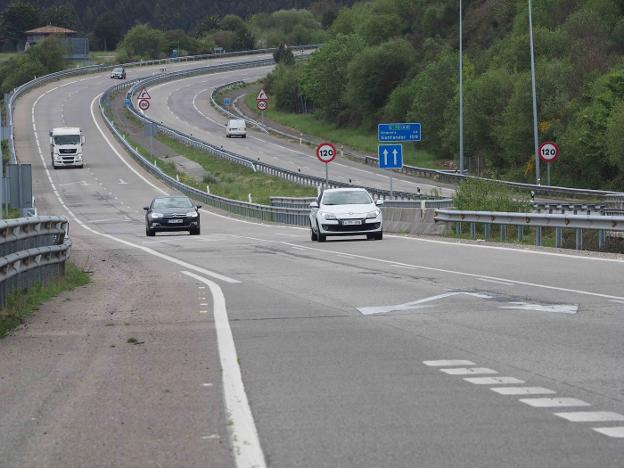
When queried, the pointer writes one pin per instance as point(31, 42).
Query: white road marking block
point(493, 380)
point(469, 371)
point(554, 308)
point(449, 362)
point(413, 304)
point(591, 416)
point(522, 390)
point(617, 432)
point(553, 402)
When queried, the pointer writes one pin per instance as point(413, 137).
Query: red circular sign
point(326, 152)
point(144, 104)
point(548, 151)
point(262, 105)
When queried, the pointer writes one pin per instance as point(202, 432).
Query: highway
point(407, 352)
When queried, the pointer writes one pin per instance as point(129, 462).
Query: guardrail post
point(538, 236)
point(520, 233)
point(601, 239)
point(487, 228)
point(503, 232)
point(458, 228)
point(473, 230)
point(558, 237)
point(579, 239)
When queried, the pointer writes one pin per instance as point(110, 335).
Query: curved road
point(401, 353)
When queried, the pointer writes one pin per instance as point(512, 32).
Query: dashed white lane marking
point(201, 287)
point(211, 437)
point(617, 432)
point(203, 304)
point(553, 402)
point(554, 308)
point(591, 416)
point(203, 311)
point(493, 380)
point(504, 283)
point(244, 438)
point(469, 371)
point(448, 362)
point(207, 384)
point(522, 390)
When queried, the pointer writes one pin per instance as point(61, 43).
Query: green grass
point(355, 138)
point(20, 304)
point(103, 56)
point(7, 55)
point(225, 178)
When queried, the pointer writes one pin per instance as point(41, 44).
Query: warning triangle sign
point(144, 94)
point(262, 96)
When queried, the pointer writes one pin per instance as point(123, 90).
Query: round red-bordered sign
point(326, 152)
point(262, 105)
point(144, 104)
point(548, 151)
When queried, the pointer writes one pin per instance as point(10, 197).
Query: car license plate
point(351, 222)
point(172, 221)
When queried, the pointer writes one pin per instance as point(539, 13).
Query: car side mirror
point(83, 139)
point(146, 208)
point(379, 202)
point(199, 206)
point(314, 204)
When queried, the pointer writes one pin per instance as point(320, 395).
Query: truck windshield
point(67, 140)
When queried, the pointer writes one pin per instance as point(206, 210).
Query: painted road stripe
point(591, 416)
point(469, 371)
point(617, 432)
point(522, 390)
point(493, 380)
point(553, 402)
point(246, 447)
point(449, 362)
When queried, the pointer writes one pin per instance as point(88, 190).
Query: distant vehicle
point(346, 212)
point(172, 213)
point(236, 127)
point(119, 73)
point(66, 145)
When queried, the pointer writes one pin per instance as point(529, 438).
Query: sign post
point(262, 103)
point(390, 157)
point(548, 153)
point(326, 153)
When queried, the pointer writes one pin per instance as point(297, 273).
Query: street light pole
point(535, 134)
point(461, 92)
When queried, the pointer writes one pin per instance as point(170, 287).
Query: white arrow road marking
point(415, 304)
point(122, 182)
point(555, 308)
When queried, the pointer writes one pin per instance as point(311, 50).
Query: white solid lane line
point(553, 402)
point(243, 433)
point(591, 416)
point(522, 390)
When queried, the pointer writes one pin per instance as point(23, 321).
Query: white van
point(236, 127)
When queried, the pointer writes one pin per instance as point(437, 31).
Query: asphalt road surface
point(258, 347)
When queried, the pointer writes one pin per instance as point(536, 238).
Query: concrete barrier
point(413, 221)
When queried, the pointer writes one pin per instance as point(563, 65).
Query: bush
point(485, 195)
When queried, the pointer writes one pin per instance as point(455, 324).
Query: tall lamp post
point(535, 134)
point(461, 93)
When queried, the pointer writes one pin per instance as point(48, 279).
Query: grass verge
point(20, 304)
point(357, 139)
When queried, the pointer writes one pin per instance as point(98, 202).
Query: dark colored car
point(172, 213)
point(119, 73)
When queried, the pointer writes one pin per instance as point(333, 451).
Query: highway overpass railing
point(32, 250)
point(538, 221)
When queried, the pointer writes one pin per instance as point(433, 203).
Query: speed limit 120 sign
point(326, 152)
point(262, 105)
point(548, 151)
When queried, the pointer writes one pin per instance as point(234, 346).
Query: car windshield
point(175, 202)
point(117, 70)
point(355, 197)
point(67, 140)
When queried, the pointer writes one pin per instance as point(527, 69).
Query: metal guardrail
point(34, 250)
point(570, 208)
point(302, 203)
point(539, 221)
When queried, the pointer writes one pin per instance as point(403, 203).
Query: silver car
point(345, 212)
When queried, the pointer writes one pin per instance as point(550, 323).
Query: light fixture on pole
point(535, 134)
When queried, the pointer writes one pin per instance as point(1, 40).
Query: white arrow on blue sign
point(390, 156)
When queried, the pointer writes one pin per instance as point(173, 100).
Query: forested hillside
point(397, 60)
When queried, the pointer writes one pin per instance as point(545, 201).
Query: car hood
point(348, 211)
point(171, 211)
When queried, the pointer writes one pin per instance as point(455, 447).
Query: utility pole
point(535, 134)
point(461, 92)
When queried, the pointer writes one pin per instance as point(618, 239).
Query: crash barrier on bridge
point(32, 251)
point(256, 165)
point(438, 175)
point(538, 221)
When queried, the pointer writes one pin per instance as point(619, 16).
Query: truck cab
point(66, 145)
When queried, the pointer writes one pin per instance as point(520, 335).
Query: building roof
point(51, 30)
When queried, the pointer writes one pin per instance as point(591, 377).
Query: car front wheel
point(149, 232)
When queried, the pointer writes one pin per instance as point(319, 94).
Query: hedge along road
point(185, 106)
point(327, 385)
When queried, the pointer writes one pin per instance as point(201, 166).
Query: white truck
point(66, 144)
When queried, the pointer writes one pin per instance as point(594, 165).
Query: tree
point(18, 18)
point(108, 30)
point(284, 55)
point(141, 42)
point(64, 15)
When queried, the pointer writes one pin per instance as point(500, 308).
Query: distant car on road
point(172, 213)
point(119, 73)
point(236, 127)
point(345, 212)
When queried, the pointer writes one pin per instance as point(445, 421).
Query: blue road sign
point(398, 132)
point(390, 156)
point(227, 101)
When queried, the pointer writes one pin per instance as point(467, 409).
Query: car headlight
point(372, 214)
point(156, 215)
point(191, 214)
point(326, 215)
